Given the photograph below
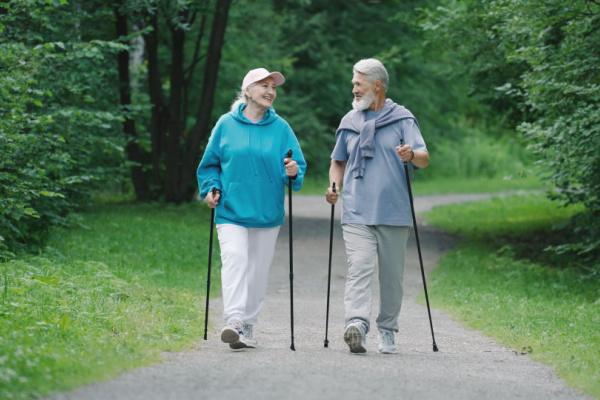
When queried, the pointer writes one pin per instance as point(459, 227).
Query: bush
point(542, 61)
point(55, 143)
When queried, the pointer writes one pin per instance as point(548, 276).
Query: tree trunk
point(209, 85)
point(133, 151)
point(175, 131)
point(157, 99)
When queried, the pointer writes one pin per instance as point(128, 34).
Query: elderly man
point(372, 143)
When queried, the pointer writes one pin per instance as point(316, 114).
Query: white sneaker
point(355, 336)
point(386, 342)
point(248, 337)
point(233, 333)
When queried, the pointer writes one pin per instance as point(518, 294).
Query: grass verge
point(318, 185)
point(104, 297)
point(500, 281)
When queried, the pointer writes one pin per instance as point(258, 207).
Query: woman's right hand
point(213, 200)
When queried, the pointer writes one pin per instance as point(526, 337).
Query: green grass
point(318, 185)
point(475, 185)
point(104, 298)
point(515, 215)
point(503, 283)
point(129, 281)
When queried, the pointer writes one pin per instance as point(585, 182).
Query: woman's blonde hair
point(241, 98)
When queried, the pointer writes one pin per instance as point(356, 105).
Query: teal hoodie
point(244, 160)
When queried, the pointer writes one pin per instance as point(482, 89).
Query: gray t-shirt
point(380, 197)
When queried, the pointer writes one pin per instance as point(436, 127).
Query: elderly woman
point(246, 161)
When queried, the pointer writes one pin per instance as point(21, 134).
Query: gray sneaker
point(355, 336)
point(386, 342)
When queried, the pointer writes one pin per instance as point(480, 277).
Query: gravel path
point(467, 366)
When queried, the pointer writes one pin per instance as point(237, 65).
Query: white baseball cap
point(259, 74)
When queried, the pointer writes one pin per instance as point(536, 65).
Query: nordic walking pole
point(289, 155)
point(414, 218)
point(210, 246)
point(326, 342)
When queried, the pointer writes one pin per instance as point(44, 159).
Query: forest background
point(121, 95)
point(106, 106)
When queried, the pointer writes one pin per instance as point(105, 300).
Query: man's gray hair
point(373, 70)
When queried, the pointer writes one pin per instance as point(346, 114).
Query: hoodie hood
point(269, 118)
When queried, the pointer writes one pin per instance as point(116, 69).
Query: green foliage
point(325, 40)
point(468, 33)
point(60, 103)
point(57, 137)
point(103, 298)
point(549, 52)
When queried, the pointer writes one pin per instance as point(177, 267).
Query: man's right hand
point(332, 196)
point(211, 200)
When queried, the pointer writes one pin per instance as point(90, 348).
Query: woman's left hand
point(291, 167)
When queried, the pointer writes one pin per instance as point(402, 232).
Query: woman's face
point(262, 93)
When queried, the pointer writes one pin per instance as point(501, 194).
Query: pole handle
point(402, 144)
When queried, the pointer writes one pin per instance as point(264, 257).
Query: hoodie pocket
point(256, 203)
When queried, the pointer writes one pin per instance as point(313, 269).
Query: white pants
point(246, 255)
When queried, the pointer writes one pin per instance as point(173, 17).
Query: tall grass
point(104, 297)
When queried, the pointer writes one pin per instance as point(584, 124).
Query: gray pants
point(368, 246)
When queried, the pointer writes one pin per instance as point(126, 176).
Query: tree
point(552, 47)
point(175, 147)
point(142, 190)
point(57, 137)
point(326, 39)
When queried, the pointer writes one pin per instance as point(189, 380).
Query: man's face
point(362, 91)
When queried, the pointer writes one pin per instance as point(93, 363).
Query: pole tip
point(292, 347)
point(326, 343)
point(435, 348)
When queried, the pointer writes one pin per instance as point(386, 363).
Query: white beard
point(365, 102)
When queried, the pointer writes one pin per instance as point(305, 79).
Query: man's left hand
point(405, 152)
